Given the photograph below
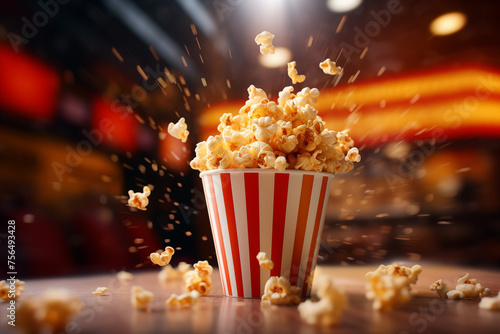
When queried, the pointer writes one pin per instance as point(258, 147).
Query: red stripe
point(219, 232)
point(252, 201)
point(231, 227)
point(300, 230)
point(279, 215)
point(317, 223)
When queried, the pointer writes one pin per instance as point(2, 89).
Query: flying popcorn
point(164, 258)
point(199, 279)
point(264, 261)
point(466, 288)
point(294, 74)
point(265, 40)
point(278, 291)
point(329, 67)
point(139, 200)
point(179, 130)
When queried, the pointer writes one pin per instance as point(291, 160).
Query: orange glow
point(119, 127)
point(174, 152)
point(27, 86)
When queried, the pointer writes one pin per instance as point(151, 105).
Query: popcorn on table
point(139, 200)
point(389, 286)
point(141, 298)
point(50, 311)
point(124, 276)
point(466, 288)
point(490, 303)
point(329, 67)
point(179, 130)
point(279, 291)
point(186, 299)
point(265, 40)
point(100, 291)
point(329, 308)
point(287, 134)
point(294, 74)
point(164, 258)
point(199, 279)
point(264, 261)
point(5, 289)
point(169, 273)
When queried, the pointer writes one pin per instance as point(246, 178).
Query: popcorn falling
point(294, 74)
point(265, 40)
point(179, 130)
point(199, 279)
point(329, 67)
point(164, 258)
point(139, 200)
point(264, 261)
point(466, 288)
point(278, 291)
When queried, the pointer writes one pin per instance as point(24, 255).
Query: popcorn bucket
point(280, 213)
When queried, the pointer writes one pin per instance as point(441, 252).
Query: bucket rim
point(264, 171)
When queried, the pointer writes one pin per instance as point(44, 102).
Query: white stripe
point(240, 212)
point(218, 250)
point(292, 211)
point(225, 232)
point(320, 230)
point(266, 203)
point(311, 217)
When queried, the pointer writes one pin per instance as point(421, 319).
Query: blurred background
point(87, 89)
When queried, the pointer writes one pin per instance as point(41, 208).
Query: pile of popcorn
point(288, 134)
point(199, 279)
point(5, 289)
point(389, 286)
point(466, 288)
point(279, 291)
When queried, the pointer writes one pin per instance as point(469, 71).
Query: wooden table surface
point(425, 313)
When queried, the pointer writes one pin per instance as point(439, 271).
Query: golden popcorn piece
point(278, 291)
point(183, 300)
point(329, 67)
point(389, 286)
point(168, 273)
point(139, 200)
point(203, 269)
point(124, 276)
point(329, 308)
point(179, 130)
point(265, 41)
point(193, 282)
point(99, 291)
point(490, 303)
point(141, 298)
point(7, 294)
point(294, 74)
point(264, 261)
point(466, 288)
point(164, 258)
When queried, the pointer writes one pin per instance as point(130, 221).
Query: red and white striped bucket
point(280, 213)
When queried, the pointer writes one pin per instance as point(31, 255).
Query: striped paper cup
point(280, 213)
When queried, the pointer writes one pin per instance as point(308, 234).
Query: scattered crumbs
point(184, 61)
point(442, 222)
point(132, 249)
point(463, 170)
point(341, 24)
point(381, 71)
point(189, 233)
point(415, 99)
point(228, 83)
point(204, 238)
point(153, 52)
point(141, 72)
point(310, 41)
point(117, 55)
point(363, 54)
point(193, 29)
point(382, 215)
point(138, 240)
point(150, 225)
point(114, 158)
point(178, 248)
point(204, 82)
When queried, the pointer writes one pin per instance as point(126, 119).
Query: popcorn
point(139, 200)
point(186, 299)
point(100, 291)
point(164, 258)
point(179, 130)
point(466, 288)
point(389, 286)
point(141, 298)
point(265, 40)
point(51, 311)
point(199, 279)
point(5, 289)
point(490, 303)
point(124, 276)
point(278, 291)
point(293, 74)
point(329, 67)
point(288, 134)
point(264, 261)
point(328, 309)
point(169, 273)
